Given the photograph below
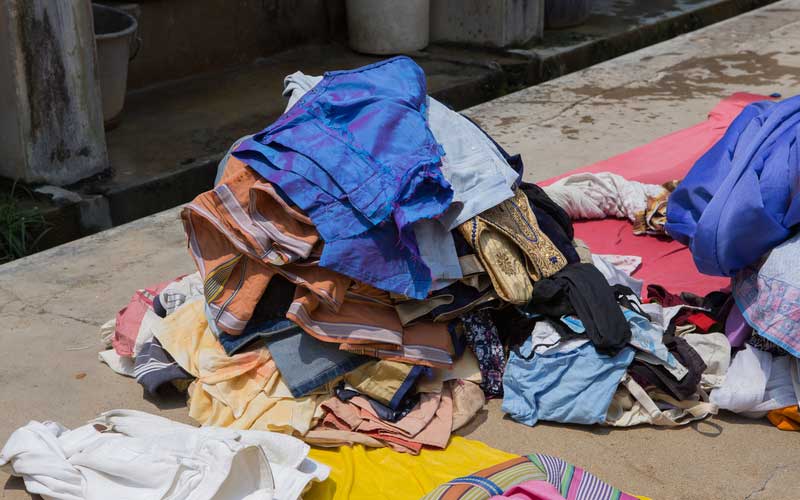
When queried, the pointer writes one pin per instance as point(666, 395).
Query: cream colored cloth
point(715, 350)
point(465, 368)
point(597, 196)
point(632, 405)
point(243, 391)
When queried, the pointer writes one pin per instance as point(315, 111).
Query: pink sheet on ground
point(665, 262)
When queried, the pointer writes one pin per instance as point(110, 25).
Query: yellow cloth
point(379, 380)
point(243, 391)
point(363, 473)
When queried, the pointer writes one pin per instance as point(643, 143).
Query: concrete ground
point(164, 151)
point(51, 304)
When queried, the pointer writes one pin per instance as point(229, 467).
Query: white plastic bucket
point(114, 32)
point(388, 26)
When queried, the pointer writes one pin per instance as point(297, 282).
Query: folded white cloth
point(756, 383)
point(127, 454)
point(597, 196)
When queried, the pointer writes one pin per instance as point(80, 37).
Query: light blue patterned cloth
point(769, 296)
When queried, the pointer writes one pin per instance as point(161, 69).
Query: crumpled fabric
point(484, 341)
point(785, 419)
point(617, 270)
point(243, 391)
point(756, 383)
point(356, 155)
point(768, 299)
point(716, 353)
point(132, 454)
point(570, 387)
point(361, 473)
point(597, 196)
point(741, 198)
point(531, 490)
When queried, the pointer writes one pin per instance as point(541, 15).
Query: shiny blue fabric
point(741, 198)
point(355, 153)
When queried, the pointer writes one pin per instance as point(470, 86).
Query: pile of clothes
point(738, 210)
point(371, 267)
point(351, 260)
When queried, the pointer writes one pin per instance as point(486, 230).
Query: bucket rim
point(116, 34)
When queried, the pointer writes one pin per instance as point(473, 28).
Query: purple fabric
point(742, 197)
point(736, 328)
point(356, 154)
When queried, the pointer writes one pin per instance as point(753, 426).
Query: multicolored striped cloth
point(574, 483)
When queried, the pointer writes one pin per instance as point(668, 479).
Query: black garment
point(649, 376)
point(465, 299)
point(275, 301)
point(513, 326)
point(462, 246)
point(538, 198)
point(555, 233)
point(581, 289)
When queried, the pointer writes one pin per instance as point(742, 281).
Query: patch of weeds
point(21, 228)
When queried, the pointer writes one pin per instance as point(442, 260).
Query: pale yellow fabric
point(243, 391)
point(361, 473)
point(268, 410)
point(465, 368)
point(232, 380)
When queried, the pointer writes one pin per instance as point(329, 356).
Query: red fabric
point(665, 262)
point(702, 321)
point(129, 319)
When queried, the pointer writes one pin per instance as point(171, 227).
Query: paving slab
point(52, 303)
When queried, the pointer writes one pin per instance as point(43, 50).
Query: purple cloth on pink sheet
point(736, 328)
point(531, 490)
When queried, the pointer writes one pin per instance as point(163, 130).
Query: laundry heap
point(372, 266)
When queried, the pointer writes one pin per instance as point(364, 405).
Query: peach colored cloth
point(240, 234)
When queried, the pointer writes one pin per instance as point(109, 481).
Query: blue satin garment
point(356, 154)
point(741, 198)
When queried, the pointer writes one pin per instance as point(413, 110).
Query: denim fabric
point(304, 362)
point(355, 154)
point(570, 387)
point(252, 333)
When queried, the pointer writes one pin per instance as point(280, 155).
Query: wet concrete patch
point(701, 76)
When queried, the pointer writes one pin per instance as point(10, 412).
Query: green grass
point(21, 228)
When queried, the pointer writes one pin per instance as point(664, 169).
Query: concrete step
point(166, 149)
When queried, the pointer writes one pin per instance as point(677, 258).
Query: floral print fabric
point(484, 340)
